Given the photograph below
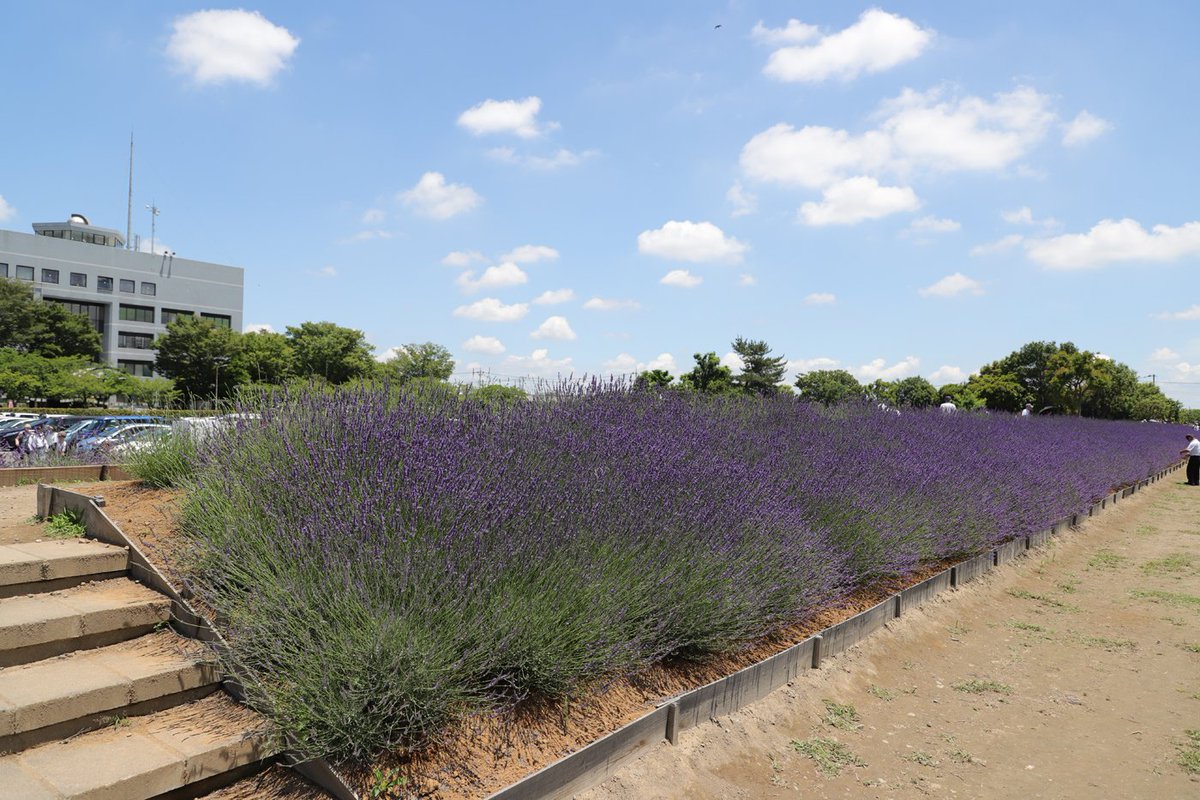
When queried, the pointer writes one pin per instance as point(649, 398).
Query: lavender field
point(385, 563)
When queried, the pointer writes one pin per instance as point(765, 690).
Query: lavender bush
point(383, 562)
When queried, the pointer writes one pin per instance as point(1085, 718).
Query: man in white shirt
point(1192, 451)
point(948, 406)
point(1027, 410)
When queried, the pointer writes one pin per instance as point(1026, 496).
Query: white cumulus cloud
point(690, 241)
point(733, 361)
point(1112, 241)
point(489, 345)
point(626, 363)
point(258, 327)
point(952, 286)
point(6, 210)
point(1189, 313)
point(554, 328)
point(218, 46)
point(490, 309)
point(931, 224)
point(553, 297)
point(1084, 128)
point(1165, 353)
point(743, 202)
point(434, 198)
point(560, 158)
point(799, 366)
point(879, 369)
point(814, 156)
point(463, 258)
point(530, 254)
point(820, 299)
point(681, 278)
point(518, 117)
point(878, 41)
point(538, 362)
point(947, 374)
point(611, 304)
point(856, 199)
point(497, 277)
point(794, 32)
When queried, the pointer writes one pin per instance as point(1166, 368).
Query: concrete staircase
point(99, 698)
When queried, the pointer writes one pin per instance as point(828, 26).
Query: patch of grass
point(887, 695)
point(1044, 599)
point(961, 757)
point(844, 717)
point(1104, 642)
point(1191, 647)
point(1167, 598)
point(1145, 529)
point(922, 758)
point(1189, 753)
point(1027, 626)
point(386, 782)
point(959, 628)
point(1068, 587)
point(830, 755)
point(1106, 559)
point(66, 525)
point(978, 686)
point(1172, 564)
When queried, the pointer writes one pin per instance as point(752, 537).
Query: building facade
point(128, 296)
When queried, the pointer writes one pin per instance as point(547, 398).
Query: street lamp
point(217, 362)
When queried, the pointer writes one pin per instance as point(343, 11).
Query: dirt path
point(1070, 674)
point(17, 505)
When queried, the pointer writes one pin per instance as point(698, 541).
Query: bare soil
point(1100, 685)
point(1072, 673)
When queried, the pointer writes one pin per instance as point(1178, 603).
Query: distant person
point(1027, 411)
point(1192, 451)
point(948, 406)
point(25, 440)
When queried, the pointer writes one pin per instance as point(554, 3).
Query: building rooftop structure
point(129, 296)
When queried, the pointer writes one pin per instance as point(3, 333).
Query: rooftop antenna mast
point(153, 209)
point(129, 208)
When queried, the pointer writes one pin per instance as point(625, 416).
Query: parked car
point(100, 426)
point(126, 434)
point(136, 441)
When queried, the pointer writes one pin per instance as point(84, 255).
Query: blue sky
point(552, 188)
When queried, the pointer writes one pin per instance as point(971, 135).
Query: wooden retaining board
point(924, 591)
point(844, 635)
point(591, 765)
point(1038, 539)
point(972, 568)
point(743, 687)
point(1011, 549)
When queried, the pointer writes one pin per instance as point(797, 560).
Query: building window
point(149, 289)
point(137, 313)
point(135, 341)
point(3, 270)
point(97, 313)
point(169, 315)
point(103, 284)
point(76, 236)
point(128, 286)
point(49, 275)
point(220, 320)
point(78, 279)
point(24, 273)
point(141, 369)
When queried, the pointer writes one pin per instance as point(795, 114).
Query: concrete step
point(37, 626)
point(51, 565)
point(197, 745)
point(65, 695)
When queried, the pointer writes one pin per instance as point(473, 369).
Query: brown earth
point(1102, 687)
point(1073, 673)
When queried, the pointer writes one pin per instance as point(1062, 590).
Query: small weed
point(976, 686)
point(1167, 598)
point(1045, 600)
point(1104, 642)
point(118, 722)
point(959, 629)
point(776, 772)
point(961, 757)
point(34, 519)
point(1106, 559)
point(1027, 626)
point(386, 782)
point(841, 716)
point(1172, 564)
point(1145, 529)
point(1189, 753)
point(922, 758)
point(829, 754)
point(1068, 587)
point(887, 695)
point(67, 525)
point(1191, 647)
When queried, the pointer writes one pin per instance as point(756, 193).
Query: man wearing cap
point(1192, 451)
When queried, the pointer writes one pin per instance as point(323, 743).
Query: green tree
point(335, 353)
point(828, 386)
point(760, 370)
point(266, 357)
point(199, 357)
point(423, 360)
point(1000, 391)
point(882, 391)
point(23, 375)
point(1150, 403)
point(44, 328)
point(79, 379)
point(708, 376)
point(154, 392)
point(1075, 376)
point(658, 378)
point(499, 395)
point(1029, 366)
point(962, 395)
point(916, 392)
